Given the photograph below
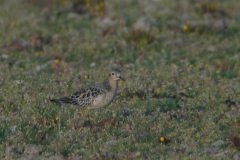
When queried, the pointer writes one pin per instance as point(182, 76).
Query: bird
point(96, 95)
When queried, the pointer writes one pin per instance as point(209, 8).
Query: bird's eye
point(112, 73)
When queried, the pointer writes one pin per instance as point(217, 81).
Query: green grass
point(179, 83)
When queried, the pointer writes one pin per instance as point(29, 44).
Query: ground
point(180, 60)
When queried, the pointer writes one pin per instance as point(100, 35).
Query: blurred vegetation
point(180, 60)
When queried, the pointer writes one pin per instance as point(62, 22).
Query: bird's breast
point(103, 100)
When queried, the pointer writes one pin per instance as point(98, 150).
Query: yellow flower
point(85, 76)
point(86, 2)
point(234, 120)
point(134, 96)
point(40, 52)
point(197, 5)
point(34, 118)
point(190, 66)
point(4, 14)
point(185, 27)
point(213, 6)
point(57, 61)
point(97, 7)
point(161, 139)
point(67, 86)
point(158, 91)
point(57, 118)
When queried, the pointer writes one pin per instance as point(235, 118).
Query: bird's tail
point(54, 100)
point(63, 100)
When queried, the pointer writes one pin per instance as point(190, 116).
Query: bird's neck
point(113, 85)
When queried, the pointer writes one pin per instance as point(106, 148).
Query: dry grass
point(180, 60)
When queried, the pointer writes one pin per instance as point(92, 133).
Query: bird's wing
point(85, 96)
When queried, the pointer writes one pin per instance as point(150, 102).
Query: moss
point(181, 85)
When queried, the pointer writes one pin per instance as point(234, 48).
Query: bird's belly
point(102, 101)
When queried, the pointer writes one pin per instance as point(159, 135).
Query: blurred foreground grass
point(180, 60)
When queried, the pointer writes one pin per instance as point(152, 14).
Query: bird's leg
point(81, 112)
point(83, 115)
point(90, 118)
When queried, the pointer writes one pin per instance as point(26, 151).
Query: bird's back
point(90, 96)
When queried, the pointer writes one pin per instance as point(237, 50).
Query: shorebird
point(97, 95)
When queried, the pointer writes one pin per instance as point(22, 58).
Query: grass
point(181, 92)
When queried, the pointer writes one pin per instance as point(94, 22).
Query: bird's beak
point(121, 78)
